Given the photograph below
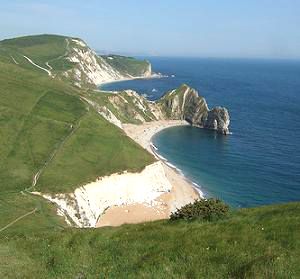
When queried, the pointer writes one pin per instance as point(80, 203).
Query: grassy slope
point(40, 118)
point(127, 65)
point(251, 243)
point(97, 148)
point(45, 125)
point(40, 49)
point(124, 109)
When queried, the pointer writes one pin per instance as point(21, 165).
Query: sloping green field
point(127, 65)
point(252, 243)
point(44, 124)
point(41, 49)
point(52, 141)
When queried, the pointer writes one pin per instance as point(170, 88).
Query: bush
point(203, 209)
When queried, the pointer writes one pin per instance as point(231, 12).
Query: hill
point(51, 140)
point(252, 243)
point(70, 59)
point(182, 103)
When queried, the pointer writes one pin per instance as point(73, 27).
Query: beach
point(182, 191)
point(108, 81)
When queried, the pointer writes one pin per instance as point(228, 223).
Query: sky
point(193, 28)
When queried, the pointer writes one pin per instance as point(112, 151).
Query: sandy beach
point(152, 76)
point(181, 193)
point(143, 133)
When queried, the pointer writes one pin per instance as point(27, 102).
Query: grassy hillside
point(69, 59)
point(127, 106)
point(251, 243)
point(128, 65)
point(45, 125)
point(41, 49)
point(51, 141)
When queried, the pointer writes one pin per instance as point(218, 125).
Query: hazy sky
point(218, 28)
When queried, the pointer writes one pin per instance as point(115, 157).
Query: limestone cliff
point(71, 59)
point(182, 103)
point(92, 69)
point(185, 103)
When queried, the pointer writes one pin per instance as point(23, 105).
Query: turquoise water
point(260, 162)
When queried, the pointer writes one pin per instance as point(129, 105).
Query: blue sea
point(259, 163)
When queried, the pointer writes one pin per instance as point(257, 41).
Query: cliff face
point(218, 119)
point(182, 103)
point(185, 103)
point(129, 66)
point(70, 59)
point(91, 69)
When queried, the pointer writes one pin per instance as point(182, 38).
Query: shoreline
point(177, 170)
point(148, 145)
point(181, 192)
point(152, 76)
point(143, 136)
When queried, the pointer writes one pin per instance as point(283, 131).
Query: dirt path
point(59, 57)
point(18, 219)
point(36, 65)
point(14, 60)
point(53, 154)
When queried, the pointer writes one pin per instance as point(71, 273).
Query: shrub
point(203, 209)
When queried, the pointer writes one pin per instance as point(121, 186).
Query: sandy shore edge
point(143, 134)
point(152, 76)
point(183, 191)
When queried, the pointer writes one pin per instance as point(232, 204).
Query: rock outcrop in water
point(185, 103)
point(218, 119)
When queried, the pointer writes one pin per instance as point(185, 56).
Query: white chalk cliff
point(92, 69)
point(87, 203)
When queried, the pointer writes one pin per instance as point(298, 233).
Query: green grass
point(97, 148)
point(250, 243)
point(127, 65)
point(122, 112)
point(40, 48)
point(44, 125)
point(125, 111)
point(43, 121)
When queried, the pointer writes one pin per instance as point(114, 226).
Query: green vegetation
point(167, 100)
point(96, 148)
point(208, 210)
point(126, 106)
point(50, 136)
point(251, 243)
point(127, 65)
point(46, 126)
point(41, 49)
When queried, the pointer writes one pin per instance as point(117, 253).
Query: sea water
point(259, 163)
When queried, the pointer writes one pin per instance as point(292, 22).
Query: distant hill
point(70, 59)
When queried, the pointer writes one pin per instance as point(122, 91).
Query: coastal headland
point(181, 193)
point(89, 152)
